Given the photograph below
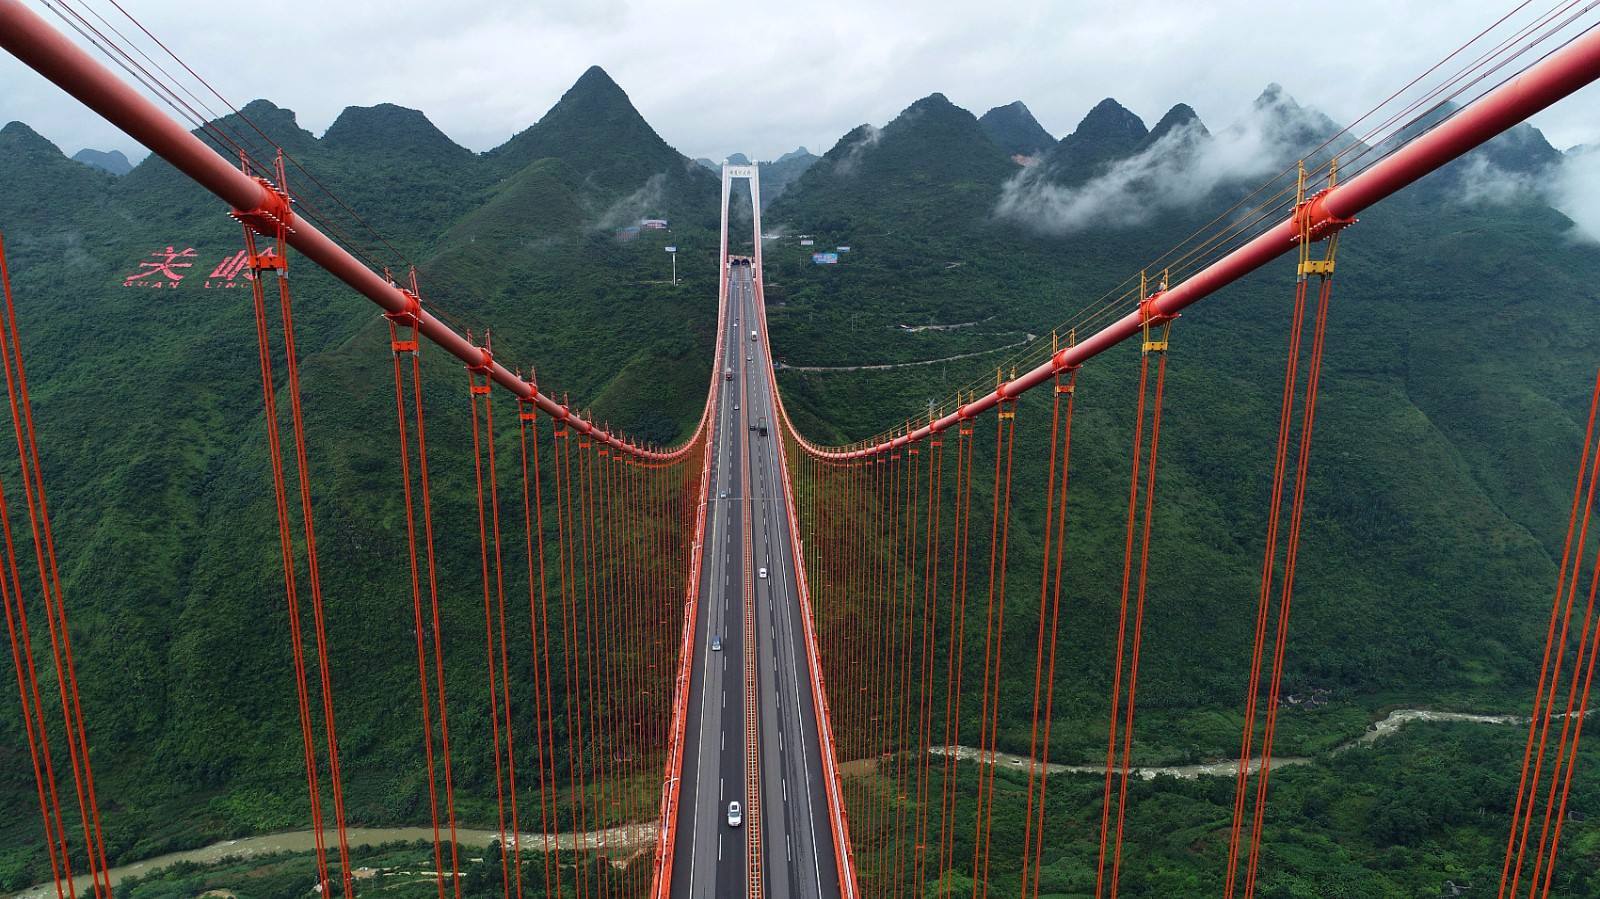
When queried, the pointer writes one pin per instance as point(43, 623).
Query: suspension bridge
point(749, 670)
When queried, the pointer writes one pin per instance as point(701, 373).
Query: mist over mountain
point(181, 651)
point(1457, 367)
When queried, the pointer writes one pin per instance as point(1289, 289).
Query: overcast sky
point(715, 78)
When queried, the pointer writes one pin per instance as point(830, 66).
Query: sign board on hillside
point(167, 267)
point(825, 258)
point(807, 243)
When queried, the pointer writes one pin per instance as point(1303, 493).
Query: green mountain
point(598, 132)
point(1015, 130)
point(1451, 414)
point(1450, 421)
point(776, 176)
point(163, 510)
point(933, 156)
point(1107, 133)
point(110, 161)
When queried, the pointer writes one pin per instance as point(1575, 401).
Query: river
point(643, 835)
point(634, 836)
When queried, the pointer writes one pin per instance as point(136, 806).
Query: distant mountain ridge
point(1015, 130)
point(776, 176)
point(110, 161)
point(1433, 510)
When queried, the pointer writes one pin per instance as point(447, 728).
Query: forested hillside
point(1449, 423)
point(1461, 350)
point(149, 406)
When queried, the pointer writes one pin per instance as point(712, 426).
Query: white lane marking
point(795, 682)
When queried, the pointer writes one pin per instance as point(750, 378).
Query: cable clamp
point(480, 389)
point(1312, 221)
point(272, 216)
point(411, 315)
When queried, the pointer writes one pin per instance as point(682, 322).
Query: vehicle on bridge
point(735, 814)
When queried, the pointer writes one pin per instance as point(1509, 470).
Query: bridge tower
point(752, 174)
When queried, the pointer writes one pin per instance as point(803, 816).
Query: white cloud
point(642, 203)
point(767, 77)
point(1576, 192)
point(870, 136)
point(1179, 170)
point(1572, 186)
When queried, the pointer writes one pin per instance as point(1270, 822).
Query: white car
point(716, 642)
point(735, 814)
point(761, 572)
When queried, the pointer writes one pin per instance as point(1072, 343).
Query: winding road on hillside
point(887, 366)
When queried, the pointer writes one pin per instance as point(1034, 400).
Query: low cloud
point(1571, 186)
point(1575, 190)
point(1179, 170)
point(642, 203)
point(869, 136)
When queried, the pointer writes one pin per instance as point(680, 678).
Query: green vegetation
point(1458, 364)
point(1449, 426)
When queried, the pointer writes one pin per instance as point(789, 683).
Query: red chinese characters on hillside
point(161, 269)
point(228, 271)
point(166, 269)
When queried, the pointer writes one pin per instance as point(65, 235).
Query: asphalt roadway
point(797, 843)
